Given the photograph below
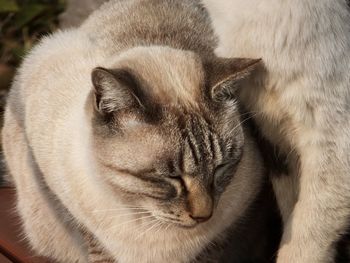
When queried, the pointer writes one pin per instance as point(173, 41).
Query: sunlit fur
point(303, 107)
point(77, 148)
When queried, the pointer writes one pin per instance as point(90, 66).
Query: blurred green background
point(22, 24)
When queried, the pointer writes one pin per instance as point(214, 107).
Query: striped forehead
point(201, 149)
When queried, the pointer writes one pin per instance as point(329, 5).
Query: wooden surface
point(12, 246)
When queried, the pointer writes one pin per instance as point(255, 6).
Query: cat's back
point(61, 60)
point(123, 24)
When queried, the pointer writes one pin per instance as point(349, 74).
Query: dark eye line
point(128, 171)
point(179, 179)
point(225, 167)
point(232, 160)
point(171, 166)
point(224, 163)
point(176, 177)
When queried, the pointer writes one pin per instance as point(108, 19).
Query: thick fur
point(302, 105)
point(53, 153)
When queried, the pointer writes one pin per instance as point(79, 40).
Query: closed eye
point(222, 176)
point(221, 169)
point(179, 180)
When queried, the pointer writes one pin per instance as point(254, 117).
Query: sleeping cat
point(126, 130)
point(301, 103)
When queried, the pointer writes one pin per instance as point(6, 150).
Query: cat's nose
point(199, 200)
point(201, 207)
point(201, 219)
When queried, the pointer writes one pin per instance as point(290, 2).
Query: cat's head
point(167, 130)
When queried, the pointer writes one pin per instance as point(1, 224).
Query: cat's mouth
point(179, 223)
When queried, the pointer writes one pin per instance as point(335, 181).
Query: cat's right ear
point(226, 75)
point(114, 90)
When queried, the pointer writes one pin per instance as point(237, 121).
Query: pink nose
point(201, 219)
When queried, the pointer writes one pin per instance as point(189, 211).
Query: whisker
point(149, 229)
point(129, 214)
point(167, 227)
point(130, 221)
point(248, 113)
point(239, 124)
point(159, 228)
point(118, 209)
point(210, 242)
point(291, 151)
point(145, 224)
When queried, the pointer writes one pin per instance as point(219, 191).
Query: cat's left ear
point(226, 75)
point(115, 90)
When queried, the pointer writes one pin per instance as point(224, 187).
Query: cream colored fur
point(302, 105)
point(47, 144)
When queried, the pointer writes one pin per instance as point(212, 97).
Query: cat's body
point(150, 157)
point(301, 103)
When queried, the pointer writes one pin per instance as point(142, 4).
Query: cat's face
point(167, 130)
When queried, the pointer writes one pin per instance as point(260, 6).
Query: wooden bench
point(13, 248)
